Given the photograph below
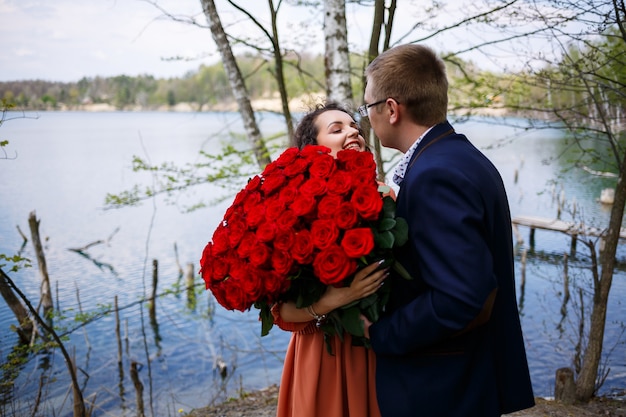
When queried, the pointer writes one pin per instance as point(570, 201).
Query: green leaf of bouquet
point(401, 231)
point(401, 270)
point(351, 320)
point(386, 224)
point(389, 207)
point(267, 320)
point(368, 301)
point(384, 240)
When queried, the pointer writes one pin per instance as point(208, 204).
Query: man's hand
point(366, 325)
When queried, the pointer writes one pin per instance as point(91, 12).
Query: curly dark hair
point(306, 131)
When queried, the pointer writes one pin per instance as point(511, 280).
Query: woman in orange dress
point(315, 383)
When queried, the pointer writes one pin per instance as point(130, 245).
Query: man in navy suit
point(450, 343)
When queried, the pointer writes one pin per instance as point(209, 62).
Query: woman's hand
point(365, 283)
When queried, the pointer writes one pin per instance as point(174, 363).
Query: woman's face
point(337, 130)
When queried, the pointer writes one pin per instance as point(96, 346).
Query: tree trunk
point(379, 22)
point(585, 383)
point(280, 75)
point(25, 327)
point(236, 82)
point(336, 54)
point(46, 295)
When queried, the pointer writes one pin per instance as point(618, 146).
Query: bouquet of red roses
point(308, 221)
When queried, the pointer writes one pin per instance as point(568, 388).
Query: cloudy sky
point(65, 40)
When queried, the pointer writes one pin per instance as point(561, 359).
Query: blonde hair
point(412, 75)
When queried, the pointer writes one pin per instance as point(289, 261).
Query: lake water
point(61, 165)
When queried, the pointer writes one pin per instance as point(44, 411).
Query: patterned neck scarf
point(398, 175)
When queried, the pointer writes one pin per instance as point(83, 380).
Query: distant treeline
point(203, 88)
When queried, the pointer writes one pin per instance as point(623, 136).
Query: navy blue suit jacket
point(450, 342)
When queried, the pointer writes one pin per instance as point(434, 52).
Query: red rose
point(346, 216)
point(220, 268)
point(240, 197)
point(303, 205)
point(233, 211)
point(324, 232)
point(254, 183)
point(286, 158)
point(302, 250)
point(314, 187)
point(247, 244)
point(284, 240)
point(274, 207)
point(266, 231)
point(339, 183)
point(364, 178)
point(327, 207)
point(354, 160)
point(368, 202)
point(272, 285)
point(236, 229)
point(358, 242)
point(332, 265)
point(248, 280)
point(231, 295)
point(273, 182)
point(205, 259)
point(281, 262)
point(314, 151)
point(212, 268)
point(252, 201)
point(296, 181)
point(322, 166)
point(255, 216)
point(220, 240)
point(287, 220)
point(296, 167)
point(260, 255)
point(287, 194)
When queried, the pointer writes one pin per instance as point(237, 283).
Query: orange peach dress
point(315, 383)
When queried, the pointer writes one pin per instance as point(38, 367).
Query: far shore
point(296, 105)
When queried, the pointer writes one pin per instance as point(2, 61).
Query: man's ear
point(394, 111)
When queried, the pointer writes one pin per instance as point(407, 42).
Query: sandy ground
point(263, 404)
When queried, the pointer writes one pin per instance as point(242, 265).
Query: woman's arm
point(365, 283)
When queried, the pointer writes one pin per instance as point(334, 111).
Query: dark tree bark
point(236, 82)
point(25, 327)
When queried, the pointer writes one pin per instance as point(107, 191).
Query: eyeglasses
point(363, 110)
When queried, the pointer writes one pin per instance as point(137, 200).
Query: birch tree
point(336, 53)
point(237, 83)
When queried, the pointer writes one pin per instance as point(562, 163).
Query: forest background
point(208, 89)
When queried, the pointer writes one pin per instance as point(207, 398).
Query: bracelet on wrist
point(318, 318)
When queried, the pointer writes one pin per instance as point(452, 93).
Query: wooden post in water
point(564, 387)
point(117, 332)
point(46, 296)
point(155, 281)
point(120, 366)
point(134, 375)
point(189, 283)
